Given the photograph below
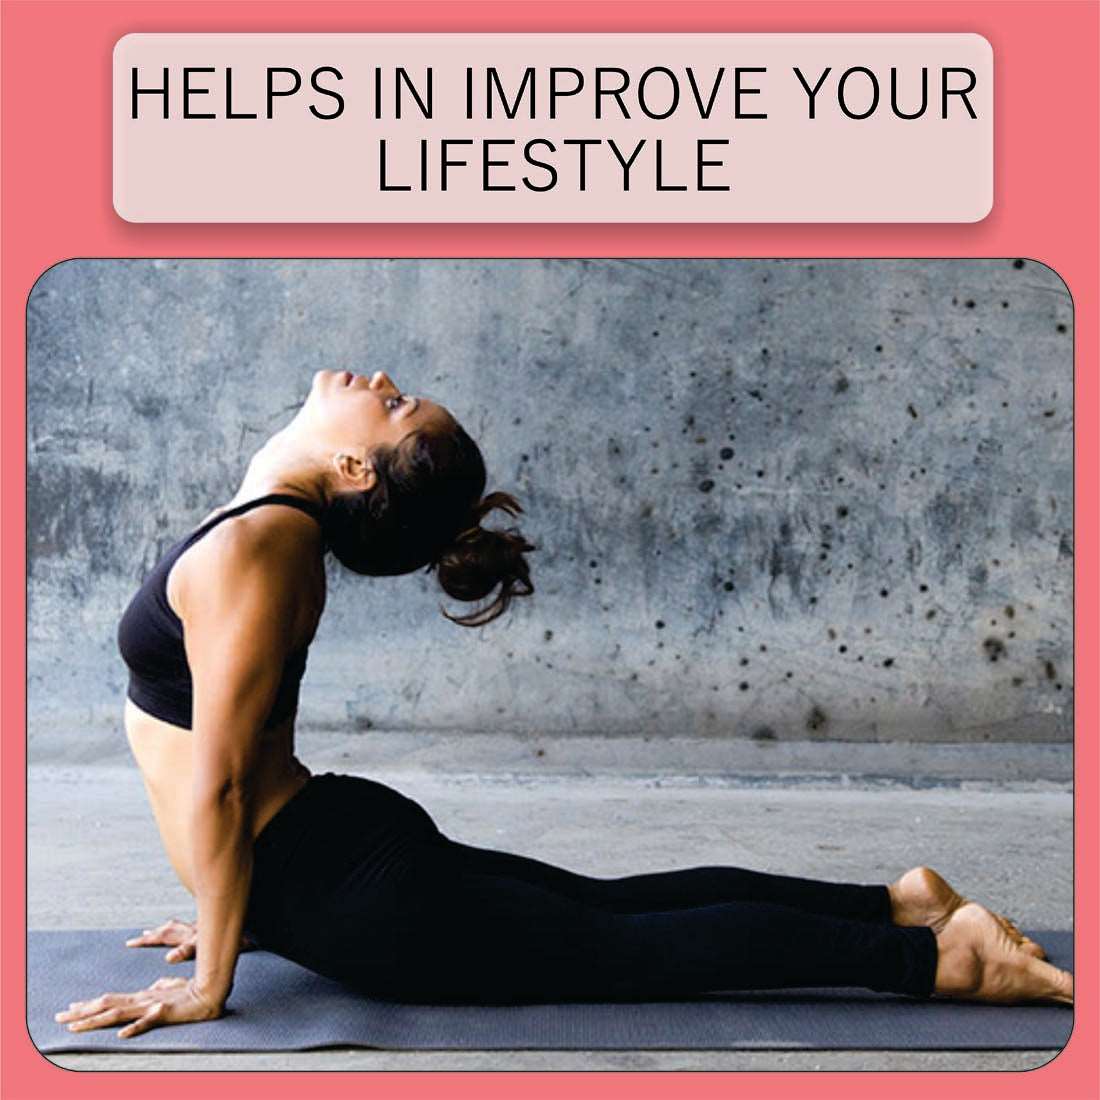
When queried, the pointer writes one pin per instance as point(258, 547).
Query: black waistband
point(359, 803)
point(278, 837)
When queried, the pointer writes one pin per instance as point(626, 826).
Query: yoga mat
point(279, 1005)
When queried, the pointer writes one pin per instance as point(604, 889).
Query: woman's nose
point(381, 380)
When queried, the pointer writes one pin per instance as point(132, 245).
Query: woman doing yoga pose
point(354, 880)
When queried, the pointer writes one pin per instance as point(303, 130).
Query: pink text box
point(604, 127)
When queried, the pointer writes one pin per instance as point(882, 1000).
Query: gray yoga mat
point(278, 1005)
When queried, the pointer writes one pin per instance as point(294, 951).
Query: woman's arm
point(239, 618)
point(237, 600)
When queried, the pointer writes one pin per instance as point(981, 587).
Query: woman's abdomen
point(163, 753)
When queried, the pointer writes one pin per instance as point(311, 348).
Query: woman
point(354, 880)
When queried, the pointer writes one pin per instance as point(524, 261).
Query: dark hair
point(425, 509)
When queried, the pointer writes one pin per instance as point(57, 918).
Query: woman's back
point(159, 701)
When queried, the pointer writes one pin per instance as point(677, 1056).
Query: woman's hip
point(337, 830)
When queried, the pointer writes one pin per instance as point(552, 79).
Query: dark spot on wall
point(1025, 521)
point(930, 613)
point(994, 648)
point(726, 453)
point(1010, 612)
point(763, 733)
point(1060, 327)
point(148, 406)
point(1017, 264)
point(706, 485)
point(884, 592)
point(660, 624)
point(912, 411)
point(743, 685)
point(841, 511)
point(1017, 681)
point(888, 663)
point(970, 303)
point(1065, 545)
point(977, 578)
point(841, 384)
point(816, 719)
point(1050, 670)
point(547, 635)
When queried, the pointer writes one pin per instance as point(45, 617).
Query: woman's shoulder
point(277, 550)
point(276, 532)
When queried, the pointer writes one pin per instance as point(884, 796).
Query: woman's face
point(356, 412)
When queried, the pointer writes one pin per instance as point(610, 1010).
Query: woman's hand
point(166, 1001)
point(182, 936)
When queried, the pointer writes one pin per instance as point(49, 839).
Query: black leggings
point(354, 881)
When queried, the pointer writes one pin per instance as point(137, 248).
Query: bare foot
point(979, 961)
point(923, 897)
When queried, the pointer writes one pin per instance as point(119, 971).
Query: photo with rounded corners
point(652, 606)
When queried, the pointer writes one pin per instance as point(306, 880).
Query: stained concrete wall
point(794, 499)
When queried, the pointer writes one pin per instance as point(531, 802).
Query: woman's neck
point(279, 466)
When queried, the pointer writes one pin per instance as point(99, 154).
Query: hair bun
point(482, 558)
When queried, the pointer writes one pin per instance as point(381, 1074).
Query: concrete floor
point(95, 861)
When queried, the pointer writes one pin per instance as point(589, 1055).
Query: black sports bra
point(150, 636)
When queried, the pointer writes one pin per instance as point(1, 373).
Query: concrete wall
point(793, 499)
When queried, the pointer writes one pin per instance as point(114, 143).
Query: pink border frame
point(56, 204)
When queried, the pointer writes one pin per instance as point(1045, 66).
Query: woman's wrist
point(215, 991)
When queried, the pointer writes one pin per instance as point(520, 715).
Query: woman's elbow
point(225, 794)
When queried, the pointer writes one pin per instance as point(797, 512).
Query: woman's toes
point(1025, 943)
point(1050, 982)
